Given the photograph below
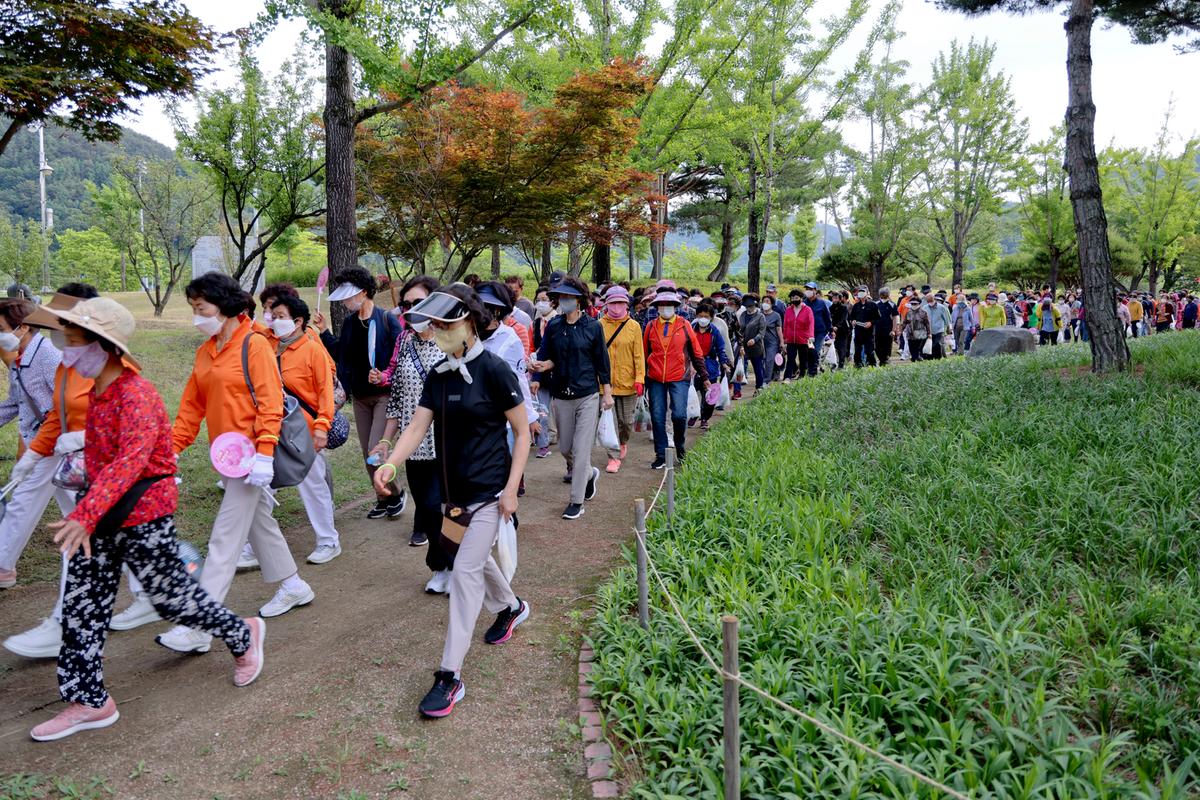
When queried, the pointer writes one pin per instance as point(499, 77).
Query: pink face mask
point(617, 310)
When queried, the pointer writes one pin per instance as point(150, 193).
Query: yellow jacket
point(625, 354)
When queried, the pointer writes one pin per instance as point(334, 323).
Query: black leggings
point(151, 552)
point(425, 487)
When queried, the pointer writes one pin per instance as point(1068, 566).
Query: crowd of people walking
point(450, 391)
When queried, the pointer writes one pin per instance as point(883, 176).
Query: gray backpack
point(294, 453)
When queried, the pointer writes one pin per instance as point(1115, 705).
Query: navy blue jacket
point(822, 322)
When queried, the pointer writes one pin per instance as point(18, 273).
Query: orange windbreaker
point(305, 367)
point(216, 393)
point(78, 389)
point(667, 357)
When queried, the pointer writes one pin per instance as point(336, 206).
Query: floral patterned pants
point(150, 550)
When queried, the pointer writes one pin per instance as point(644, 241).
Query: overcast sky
point(1133, 83)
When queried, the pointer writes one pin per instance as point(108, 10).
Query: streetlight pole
point(44, 171)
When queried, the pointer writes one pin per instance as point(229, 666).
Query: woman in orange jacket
point(218, 396)
point(305, 367)
point(671, 347)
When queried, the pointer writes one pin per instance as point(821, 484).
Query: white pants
point(245, 514)
point(318, 502)
point(476, 582)
point(25, 508)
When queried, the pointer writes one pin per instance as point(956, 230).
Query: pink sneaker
point(249, 664)
point(8, 578)
point(75, 718)
point(614, 465)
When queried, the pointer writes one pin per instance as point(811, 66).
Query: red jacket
point(667, 356)
point(797, 324)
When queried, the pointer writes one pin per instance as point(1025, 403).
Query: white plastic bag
point(606, 431)
point(831, 358)
point(739, 371)
point(693, 408)
point(927, 348)
point(725, 396)
point(506, 548)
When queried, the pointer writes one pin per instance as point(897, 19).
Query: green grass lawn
point(166, 347)
point(986, 568)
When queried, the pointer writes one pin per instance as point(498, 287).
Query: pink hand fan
point(232, 454)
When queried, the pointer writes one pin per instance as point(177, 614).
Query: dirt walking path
point(334, 713)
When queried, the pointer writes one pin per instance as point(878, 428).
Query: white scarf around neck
point(460, 364)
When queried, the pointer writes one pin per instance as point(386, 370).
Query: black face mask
point(796, 301)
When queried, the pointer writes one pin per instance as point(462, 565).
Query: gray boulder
point(1005, 339)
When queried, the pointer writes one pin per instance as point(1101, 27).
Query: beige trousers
point(245, 513)
point(476, 582)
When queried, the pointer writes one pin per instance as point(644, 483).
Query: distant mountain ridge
point(74, 160)
point(827, 236)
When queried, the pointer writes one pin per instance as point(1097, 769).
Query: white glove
point(263, 471)
point(25, 465)
point(68, 442)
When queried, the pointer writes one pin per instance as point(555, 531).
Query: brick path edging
point(597, 754)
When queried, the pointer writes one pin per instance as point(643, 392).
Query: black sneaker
point(590, 490)
point(568, 478)
point(506, 620)
point(441, 699)
point(418, 539)
point(659, 463)
point(379, 511)
point(395, 507)
point(573, 511)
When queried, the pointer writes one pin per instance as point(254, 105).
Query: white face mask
point(9, 341)
point(809, 293)
point(451, 340)
point(666, 312)
point(58, 339)
point(568, 305)
point(861, 295)
point(355, 303)
point(542, 307)
point(419, 327)
point(1003, 298)
point(703, 322)
point(268, 318)
point(283, 328)
point(209, 326)
point(767, 307)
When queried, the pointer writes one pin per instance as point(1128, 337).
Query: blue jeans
point(658, 392)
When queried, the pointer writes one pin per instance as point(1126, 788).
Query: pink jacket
point(797, 324)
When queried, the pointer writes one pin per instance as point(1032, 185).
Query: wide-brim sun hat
point(490, 298)
point(344, 291)
point(438, 307)
point(43, 315)
point(103, 317)
point(666, 298)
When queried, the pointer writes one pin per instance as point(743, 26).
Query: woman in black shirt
point(473, 396)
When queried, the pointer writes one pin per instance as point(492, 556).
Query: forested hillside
point(74, 160)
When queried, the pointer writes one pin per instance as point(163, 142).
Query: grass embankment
point(166, 347)
point(984, 567)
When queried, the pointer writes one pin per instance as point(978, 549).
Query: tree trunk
point(876, 275)
point(341, 228)
point(574, 262)
point(495, 262)
point(547, 261)
point(721, 271)
point(633, 261)
point(959, 268)
point(1107, 335)
point(1154, 270)
point(754, 245)
point(779, 271)
point(602, 256)
point(124, 288)
point(658, 244)
point(1055, 260)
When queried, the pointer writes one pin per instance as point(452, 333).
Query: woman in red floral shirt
point(126, 516)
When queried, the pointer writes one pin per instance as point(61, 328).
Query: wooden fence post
point(733, 732)
point(671, 483)
point(643, 585)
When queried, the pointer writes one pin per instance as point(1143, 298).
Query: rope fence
point(729, 673)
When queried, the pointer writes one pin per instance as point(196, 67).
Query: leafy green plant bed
point(985, 568)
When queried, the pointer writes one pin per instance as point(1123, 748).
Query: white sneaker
point(43, 641)
point(247, 560)
point(140, 612)
point(183, 639)
point(439, 583)
point(284, 601)
point(324, 553)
